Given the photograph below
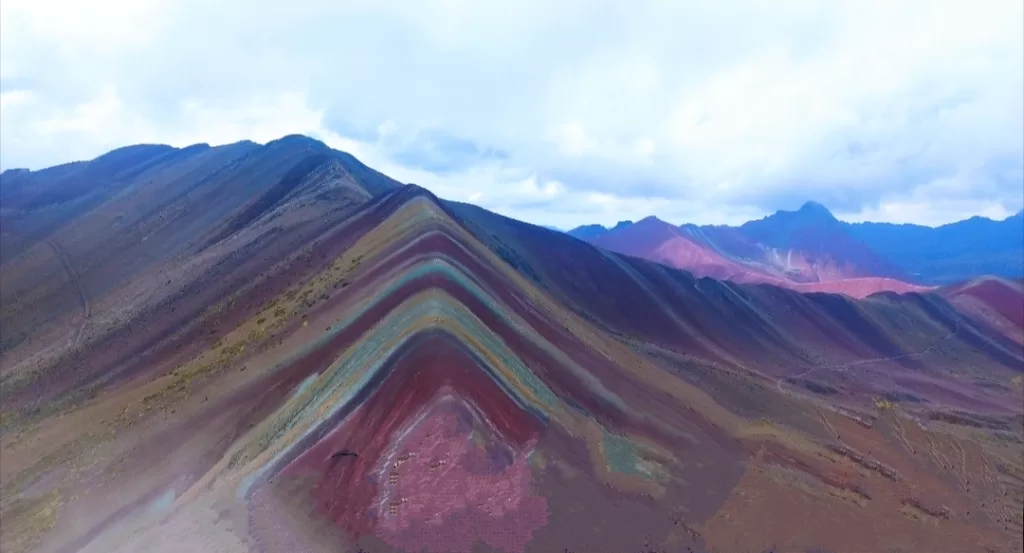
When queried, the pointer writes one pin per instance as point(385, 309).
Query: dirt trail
point(846, 366)
point(73, 278)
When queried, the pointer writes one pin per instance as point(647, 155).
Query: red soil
point(658, 241)
point(443, 493)
point(1001, 296)
point(357, 492)
point(859, 288)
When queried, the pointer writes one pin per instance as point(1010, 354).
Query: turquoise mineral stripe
point(457, 273)
point(342, 381)
point(373, 350)
point(620, 455)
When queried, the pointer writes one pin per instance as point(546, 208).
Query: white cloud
point(557, 112)
point(13, 98)
point(572, 140)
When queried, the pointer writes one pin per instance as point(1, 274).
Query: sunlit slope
point(993, 301)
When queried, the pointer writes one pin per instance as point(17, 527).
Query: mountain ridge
point(336, 375)
point(1019, 214)
point(828, 249)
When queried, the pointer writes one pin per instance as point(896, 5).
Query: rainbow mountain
point(276, 348)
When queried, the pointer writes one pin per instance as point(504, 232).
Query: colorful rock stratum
point(274, 348)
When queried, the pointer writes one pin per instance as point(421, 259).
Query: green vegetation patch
point(621, 456)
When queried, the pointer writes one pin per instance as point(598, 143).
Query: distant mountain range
point(950, 253)
point(810, 250)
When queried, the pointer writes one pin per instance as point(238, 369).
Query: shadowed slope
point(758, 326)
point(413, 374)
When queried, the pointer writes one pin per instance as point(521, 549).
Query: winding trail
point(846, 366)
point(841, 367)
point(73, 278)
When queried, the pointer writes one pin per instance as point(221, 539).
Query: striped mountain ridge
point(414, 374)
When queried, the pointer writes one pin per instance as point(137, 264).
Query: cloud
point(560, 113)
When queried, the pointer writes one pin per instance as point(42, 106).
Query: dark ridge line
point(270, 198)
point(749, 292)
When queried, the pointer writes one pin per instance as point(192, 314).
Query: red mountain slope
point(992, 300)
point(726, 253)
point(656, 240)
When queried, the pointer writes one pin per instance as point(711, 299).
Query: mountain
point(825, 249)
point(806, 250)
point(950, 253)
point(991, 300)
point(587, 232)
point(810, 250)
point(273, 348)
point(656, 240)
point(141, 207)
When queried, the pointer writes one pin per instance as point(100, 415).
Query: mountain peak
point(298, 140)
point(814, 208)
point(648, 223)
point(414, 190)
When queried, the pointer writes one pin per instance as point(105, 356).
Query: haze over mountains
point(810, 250)
point(276, 348)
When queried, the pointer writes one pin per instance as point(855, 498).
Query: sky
point(558, 113)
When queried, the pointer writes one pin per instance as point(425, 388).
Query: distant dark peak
point(15, 171)
point(809, 212)
point(242, 147)
point(196, 148)
point(650, 220)
point(623, 224)
point(136, 150)
point(142, 148)
point(587, 232)
point(297, 140)
point(130, 156)
point(815, 208)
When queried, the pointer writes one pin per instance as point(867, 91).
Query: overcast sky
point(558, 112)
